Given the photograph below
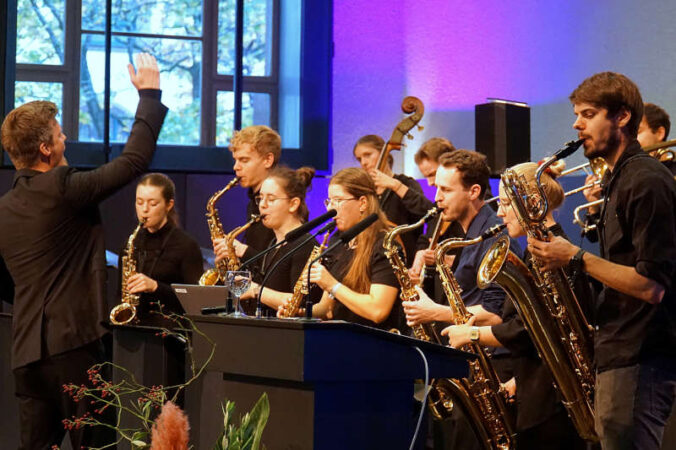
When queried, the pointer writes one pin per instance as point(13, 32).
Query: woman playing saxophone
point(358, 282)
point(542, 421)
point(281, 201)
point(163, 252)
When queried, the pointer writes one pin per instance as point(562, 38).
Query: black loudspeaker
point(502, 133)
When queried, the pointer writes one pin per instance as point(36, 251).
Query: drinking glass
point(238, 281)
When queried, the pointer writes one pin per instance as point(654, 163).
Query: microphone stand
point(293, 235)
point(259, 303)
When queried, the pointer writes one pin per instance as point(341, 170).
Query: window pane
point(257, 37)
point(176, 17)
point(255, 111)
point(27, 91)
point(40, 31)
point(180, 65)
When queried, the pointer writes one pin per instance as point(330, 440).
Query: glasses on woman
point(336, 202)
point(269, 199)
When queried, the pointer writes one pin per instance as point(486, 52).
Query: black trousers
point(43, 404)
point(556, 433)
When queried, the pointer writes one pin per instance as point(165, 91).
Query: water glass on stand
point(238, 282)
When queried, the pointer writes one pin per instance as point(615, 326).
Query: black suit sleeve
point(6, 283)
point(82, 188)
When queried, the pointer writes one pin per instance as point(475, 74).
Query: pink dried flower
point(170, 431)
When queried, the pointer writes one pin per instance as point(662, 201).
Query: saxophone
point(481, 394)
point(125, 312)
point(547, 304)
point(439, 398)
point(302, 287)
point(217, 274)
point(423, 332)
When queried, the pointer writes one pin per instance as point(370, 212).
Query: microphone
point(307, 226)
point(343, 239)
point(358, 228)
point(329, 226)
point(292, 235)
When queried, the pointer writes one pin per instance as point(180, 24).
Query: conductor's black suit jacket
point(51, 239)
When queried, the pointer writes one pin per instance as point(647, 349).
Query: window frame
point(316, 52)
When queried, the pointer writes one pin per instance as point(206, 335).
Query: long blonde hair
point(358, 183)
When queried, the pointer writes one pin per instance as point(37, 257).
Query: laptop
point(194, 297)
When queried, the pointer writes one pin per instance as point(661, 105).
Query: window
point(194, 42)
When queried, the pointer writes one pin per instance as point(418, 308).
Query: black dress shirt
point(491, 298)
point(406, 210)
point(638, 229)
point(51, 239)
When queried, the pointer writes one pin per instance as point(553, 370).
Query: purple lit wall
point(453, 54)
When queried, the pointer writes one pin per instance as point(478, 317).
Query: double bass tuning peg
point(421, 127)
point(409, 135)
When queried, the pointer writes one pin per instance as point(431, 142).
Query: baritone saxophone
point(481, 394)
point(548, 307)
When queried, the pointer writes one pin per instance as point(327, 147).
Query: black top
point(257, 236)
point(537, 398)
point(287, 273)
point(380, 272)
point(671, 165)
point(405, 210)
point(51, 239)
point(167, 256)
point(638, 229)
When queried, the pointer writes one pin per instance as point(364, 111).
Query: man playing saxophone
point(256, 151)
point(635, 341)
point(541, 421)
point(461, 180)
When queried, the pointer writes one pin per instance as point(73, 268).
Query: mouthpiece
point(492, 231)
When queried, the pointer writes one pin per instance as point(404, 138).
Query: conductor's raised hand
point(147, 73)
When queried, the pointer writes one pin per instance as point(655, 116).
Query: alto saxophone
point(549, 308)
point(125, 312)
point(423, 332)
point(302, 287)
point(481, 394)
point(217, 274)
point(439, 398)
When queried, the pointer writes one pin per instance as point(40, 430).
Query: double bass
point(410, 105)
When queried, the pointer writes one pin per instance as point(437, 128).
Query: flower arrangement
point(159, 423)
